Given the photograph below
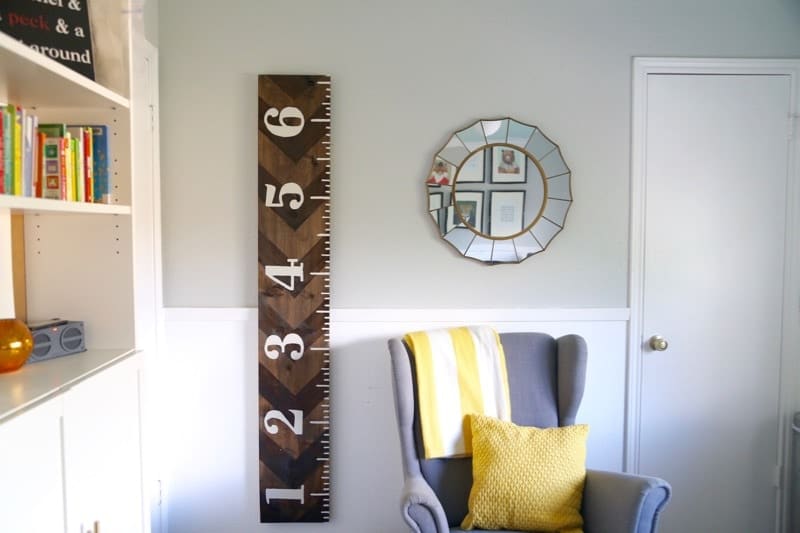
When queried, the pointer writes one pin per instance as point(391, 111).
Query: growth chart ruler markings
point(294, 297)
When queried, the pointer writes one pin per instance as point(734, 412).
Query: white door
point(715, 171)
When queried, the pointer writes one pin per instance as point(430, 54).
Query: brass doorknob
point(658, 343)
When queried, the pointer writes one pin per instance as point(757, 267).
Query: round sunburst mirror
point(499, 191)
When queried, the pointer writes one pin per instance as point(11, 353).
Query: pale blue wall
point(405, 75)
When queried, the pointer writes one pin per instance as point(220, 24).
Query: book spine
point(51, 157)
point(73, 187)
point(63, 172)
point(19, 186)
point(100, 151)
point(34, 156)
point(27, 154)
point(10, 157)
point(2, 150)
point(8, 150)
point(77, 162)
point(17, 151)
point(41, 138)
point(8, 132)
point(88, 164)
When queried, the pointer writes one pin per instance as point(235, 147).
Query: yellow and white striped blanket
point(460, 371)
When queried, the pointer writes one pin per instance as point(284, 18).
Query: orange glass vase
point(16, 344)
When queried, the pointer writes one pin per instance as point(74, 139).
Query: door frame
point(790, 355)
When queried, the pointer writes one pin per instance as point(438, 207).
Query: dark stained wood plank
point(293, 237)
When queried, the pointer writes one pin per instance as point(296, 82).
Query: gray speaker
point(55, 339)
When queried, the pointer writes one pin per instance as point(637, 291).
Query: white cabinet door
point(31, 486)
point(102, 454)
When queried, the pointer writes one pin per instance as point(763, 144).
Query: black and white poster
point(58, 29)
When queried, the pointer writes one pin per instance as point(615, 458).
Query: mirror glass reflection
point(499, 191)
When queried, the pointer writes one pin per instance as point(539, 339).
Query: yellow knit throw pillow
point(526, 478)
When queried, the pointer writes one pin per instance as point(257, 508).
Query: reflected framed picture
point(508, 165)
point(472, 169)
point(506, 212)
point(435, 201)
point(467, 207)
point(442, 173)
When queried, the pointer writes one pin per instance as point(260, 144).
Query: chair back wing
point(571, 377)
point(546, 378)
point(405, 405)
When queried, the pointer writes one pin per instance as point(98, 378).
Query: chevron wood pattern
point(294, 298)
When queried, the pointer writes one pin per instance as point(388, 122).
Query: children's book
point(66, 173)
point(38, 184)
point(53, 170)
point(28, 130)
point(78, 162)
point(101, 164)
point(2, 151)
point(88, 164)
point(17, 143)
point(53, 130)
point(8, 150)
point(70, 161)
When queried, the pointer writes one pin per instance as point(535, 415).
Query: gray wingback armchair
point(546, 379)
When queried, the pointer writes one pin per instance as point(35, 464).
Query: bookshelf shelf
point(32, 79)
point(36, 383)
point(24, 205)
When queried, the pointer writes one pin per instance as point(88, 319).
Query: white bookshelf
point(78, 255)
point(98, 263)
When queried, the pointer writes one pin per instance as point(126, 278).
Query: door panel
point(102, 452)
point(31, 476)
point(716, 170)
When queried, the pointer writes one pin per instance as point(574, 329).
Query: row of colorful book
point(57, 161)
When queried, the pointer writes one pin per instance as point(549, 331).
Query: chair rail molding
point(443, 316)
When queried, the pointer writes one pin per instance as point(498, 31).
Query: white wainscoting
point(213, 417)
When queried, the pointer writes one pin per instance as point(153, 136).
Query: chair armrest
point(421, 508)
point(623, 503)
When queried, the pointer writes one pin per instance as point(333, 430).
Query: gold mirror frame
point(543, 188)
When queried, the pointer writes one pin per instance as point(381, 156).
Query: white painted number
point(284, 129)
point(285, 494)
point(292, 271)
point(292, 339)
point(296, 427)
point(290, 188)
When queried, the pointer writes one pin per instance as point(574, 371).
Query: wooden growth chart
point(294, 297)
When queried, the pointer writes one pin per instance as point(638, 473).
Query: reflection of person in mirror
point(508, 163)
point(440, 174)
